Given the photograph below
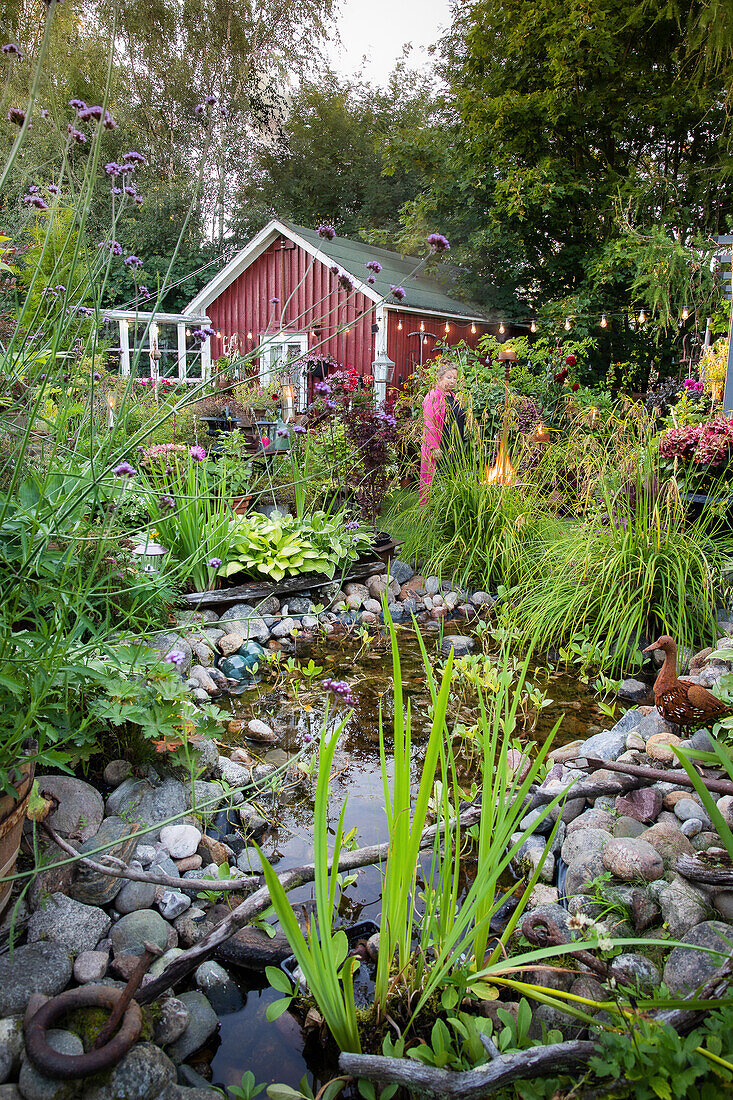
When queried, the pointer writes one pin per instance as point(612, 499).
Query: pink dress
point(433, 409)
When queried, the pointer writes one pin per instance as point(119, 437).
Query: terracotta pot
point(12, 816)
point(240, 505)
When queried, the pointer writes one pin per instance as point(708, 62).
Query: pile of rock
point(213, 652)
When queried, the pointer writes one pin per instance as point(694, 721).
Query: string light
point(347, 331)
point(447, 327)
point(249, 334)
point(473, 328)
point(604, 322)
point(567, 324)
point(685, 313)
point(399, 324)
point(642, 318)
point(533, 327)
point(422, 326)
point(501, 327)
point(188, 332)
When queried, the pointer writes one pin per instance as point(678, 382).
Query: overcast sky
point(380, 28)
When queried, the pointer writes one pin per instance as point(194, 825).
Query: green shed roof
point(422, 291)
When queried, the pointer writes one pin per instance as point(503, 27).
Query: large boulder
point(72, 924)
point(687, 968)
point(81, 807)
point(35, 968)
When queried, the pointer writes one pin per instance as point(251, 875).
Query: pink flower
point(198, 454)
point(265, 441)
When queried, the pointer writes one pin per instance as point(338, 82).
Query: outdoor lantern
point(288, 400)
point(507, 355)
point(111, 403)
point(383, 370)
point(149, 555)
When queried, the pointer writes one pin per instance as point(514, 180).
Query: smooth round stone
point(129, 934)
point(585, 867)
point(230, 643)
point(671, 798)
point(90, 966)
point(180, 841)
point(11, 1048)
point(135, 895)
point(686, 969)
point(35, 968)
point(667, 839)
point(173, 902)
point(631, 858)
point(260, 731)
point(461, 644)
point(637, 971)
point(658, 747)
point(691, 827)
point(629, 826)
point(593, 819)
point(203, 1023)
point(585, 841)
point(116, 772)
point(33, 1084)
point(723, 904)
point(210, 974)
point(81, 806)
point(171, 1022)
point(686, 808)
point(161, 964)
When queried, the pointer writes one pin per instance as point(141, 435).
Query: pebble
point(90, 966)
point(33, 1084)
point(230, 643)
point(203, 1023)
point(638, 971)
point(11, 1047)
point(145, 854)
point(189, 863)
point(116, 772)
point(658, 747)
point(130, 932)
point(685, 809)
point(81, 807)
point(173, 903)
point(171, 1021)
point(135, 895)
point(671, 798)
point(180, 840)
point(260, 731)
point(643, 804)
point(631, 858)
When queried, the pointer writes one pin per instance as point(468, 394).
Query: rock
point(461, 644)
point(631, 858)
point(91, 966)
point(168, 643)
point(74, 925)
point(11, 1047)
point(643, 804)
point(10, 1092)
point(171, 1022)
point(148, 804)
point(192, 926)
point(703, 741)
point(723, 903)
point(190, 863)
point(162, 963)
point(607, 745)
point(230, 643)
point(163, 864)
point(173, 903)
point(482, 599)
point(135, 895)
point(248, 622)
point(635, 691)
point(236, 775)
point(401, 571)
point(34, 968)
point(116, 772)
point(587, 841)
point(180, 840)
point(585, 867)
point(686, 809)
point(145, 1073)
point(556, 913)
point(681, 905)
point(593, 819)
point(130, 932)
point(705, 840)
point(658, 747)
point(34, 1085)
point(260, 731)
point(81, 807)
point(202, 1024)
point(200, 676)
point(212, 851)
point(671, 798)
point(634, 741)
point(686, 969)
point(284, 628)
point(254, 825)
point(637, 971)
point(629, 826)
point(668, 841)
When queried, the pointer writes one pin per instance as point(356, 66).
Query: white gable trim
point(440, 313)
point(259, 244)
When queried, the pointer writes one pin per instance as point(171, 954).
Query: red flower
point(576, 387)
point(571, 360)
point(275, 397)
point(561, 376)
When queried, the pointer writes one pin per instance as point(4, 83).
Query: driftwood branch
point(692, 867)
point(589, 790)
point(472, 1083)
point(652, 775)
point(253, 907)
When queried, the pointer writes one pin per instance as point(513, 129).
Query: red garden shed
point(290, 292)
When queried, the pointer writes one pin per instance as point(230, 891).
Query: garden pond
point(277, 1051)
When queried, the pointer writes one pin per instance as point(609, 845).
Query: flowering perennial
point(340, 688)
point(373, 265)
point(438, 242)
point(708, 444)
point(398, 292)
point(326, 231)
point(124, 470)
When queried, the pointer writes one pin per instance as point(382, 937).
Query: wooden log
point(290, 587)
point(654, 775)
point(697, 870)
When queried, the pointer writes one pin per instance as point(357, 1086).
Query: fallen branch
point(255, 905)
point(653, 775)
point(697, 870)
point(543, 795)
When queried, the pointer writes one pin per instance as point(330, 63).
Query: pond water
point(277, 1051)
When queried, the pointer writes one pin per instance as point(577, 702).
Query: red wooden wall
point(403, 343)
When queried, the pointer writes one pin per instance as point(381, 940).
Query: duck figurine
point(682, 701)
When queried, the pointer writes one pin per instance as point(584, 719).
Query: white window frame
point(273, 354)
point(153, 323)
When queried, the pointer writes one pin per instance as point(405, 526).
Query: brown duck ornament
point(682, 701)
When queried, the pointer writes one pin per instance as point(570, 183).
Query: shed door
point(280, 359)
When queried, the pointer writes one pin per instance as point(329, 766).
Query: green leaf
point(278, 979)
point(276, 1008)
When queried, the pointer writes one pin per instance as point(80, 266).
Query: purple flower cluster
point(76, 135)
point(326, 231)
point(373, 265)
point(438, 243)
point(54, 189)
point(691, 385)
point(214, 563)
point(175, 657)
point(124, 470)
point(322, 388)
point(210, 100)
point(11, 48)
point(134, 157)
point(34, 200)
point(133, 261)
point(398, 292)
point(708, 444)
point(274, 301)
point(299, 429)
point(340, 688)
point(16, 116)
point(166, 502)
point(202, 333)
point(199, 110)
point(115, 248)
point(198, 454)
point(352, 525)
point(371, 279)
point(345, 282)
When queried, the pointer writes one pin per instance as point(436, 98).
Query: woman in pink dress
point(434, 409)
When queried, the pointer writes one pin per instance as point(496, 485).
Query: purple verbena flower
point(130, 190)
point(11, 48)
point(322, 388)
point(124, 470)
point(33, 189)
point(398, 292)
point(335, 269)
point(214, 563)
point(60, 288)
point(175, 657)
point(166, 502)
point(341, 689)
point(283, 432)
point(352, 525)
point(210, 100)
point(143, 291)
point(133, 157)
point(371, 279)
point(113, 168)
point(299, 429)
point(199, 109)
point(76, 135)
point(274, 301)
point(44, 112)
point(224, 112)
point(326, 231)
point(373, 265)
point(54, 189)
point(345, 282)
point(108, 122)
point(78, 104)
point(133, 261)
point(35, 200)
point(438, 242)
point(97, 377)
point(16, 116)
point(115, 190)
point(198, 454)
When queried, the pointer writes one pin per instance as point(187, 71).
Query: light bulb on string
point(533, 327)
point(642, 318)
point(567, 324)
point(473, 328)
point(422, 326)
point(399, 325)
point(447, 327)
point(249, 334)
point(501, 328)
point(604, 322)
point(685, 313)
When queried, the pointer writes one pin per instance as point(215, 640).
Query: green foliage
point(280, 546)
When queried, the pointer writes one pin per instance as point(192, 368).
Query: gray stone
point(135, 895)
point(203, 1023)
point(236, 775)
point(687, 808)
point(401, 571)
point(148, 804)
point(171, 1021)
point(556, 913)
point(585, 841)
point(705, 840)
point(254, 824)
point(145, 1073)
point(637, 971)
point(161, 964)
point(299, 605)
point(686, 968)
point(629, 826)
point(260, 731)
point(482, 599)
point(81, 807)
point(691, 827)
point(635, 691)
point(461, 644)
point(167, 643)
point(595, 818)
point(173, 903)
point(74, 925)
point(200, 676)
point(703, 741)
point(10, 1092)
point(607, 745)
point(35, 968)
point(164, 865)
point(248, 622)
point(284, 628)
point(585, 867)
point(130, 932)
point(630, 858)
point(90, 966)
point(668, 840)
point(34, 1086)
point(249, 862)
point(180, 841)
point(116, 772)
point(209, 796)
point(11, 1047)
point(682, 907)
